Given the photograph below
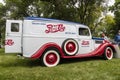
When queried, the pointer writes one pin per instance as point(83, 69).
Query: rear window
point(14, 27)
point(84, 32)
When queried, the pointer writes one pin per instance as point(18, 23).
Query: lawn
point(14, 68)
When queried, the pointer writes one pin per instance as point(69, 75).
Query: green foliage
point(83, 11)
point(86, 12)
point(116, 9)
point(2, 16)
point(18, 8)
point(107, 26)
point(2, 22)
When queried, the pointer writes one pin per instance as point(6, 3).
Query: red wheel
point(51, 58)
point(108, 53)
point(70, 47)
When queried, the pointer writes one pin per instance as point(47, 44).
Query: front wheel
point(50, 58)
point(108, 54)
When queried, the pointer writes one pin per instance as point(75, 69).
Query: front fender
point(100, 50)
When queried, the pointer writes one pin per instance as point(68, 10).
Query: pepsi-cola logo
point(51, 28)
point(9, 42)
point(85, 42)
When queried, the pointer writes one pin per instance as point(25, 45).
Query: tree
point(117, 14)
point(2, 16)
point(116, 9)
point(107, 26)
point(18, 9)
point(2, 22)
point(83, 11)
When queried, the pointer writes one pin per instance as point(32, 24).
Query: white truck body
point(29, 36)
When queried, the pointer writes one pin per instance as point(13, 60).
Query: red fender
point(39, 53)
point(100, 50)
point(97, 52)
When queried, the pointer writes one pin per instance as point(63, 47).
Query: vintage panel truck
point(51, 40)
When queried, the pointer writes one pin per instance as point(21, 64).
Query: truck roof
point(55, 20)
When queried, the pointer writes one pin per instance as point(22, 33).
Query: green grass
point(14, 68)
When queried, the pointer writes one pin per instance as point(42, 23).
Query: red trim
point(97, 52)
point(42, 49)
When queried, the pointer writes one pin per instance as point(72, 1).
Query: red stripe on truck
point(39, 53)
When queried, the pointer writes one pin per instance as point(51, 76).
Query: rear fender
point(39, 53)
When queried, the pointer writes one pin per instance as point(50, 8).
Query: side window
point(84, 32)
point(14, 27)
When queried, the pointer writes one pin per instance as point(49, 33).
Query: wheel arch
point(52, 48)
point(46, 46)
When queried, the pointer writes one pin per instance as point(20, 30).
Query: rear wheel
point(108, 54)
point(50, 58)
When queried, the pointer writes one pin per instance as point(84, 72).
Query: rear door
point(13, 35)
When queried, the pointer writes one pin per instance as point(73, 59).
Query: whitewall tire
point(50, 58)
point(108, 54)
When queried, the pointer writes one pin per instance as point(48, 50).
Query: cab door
point(13, 40)
point(85, 41)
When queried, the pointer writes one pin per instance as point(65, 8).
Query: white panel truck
point(52, 40)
